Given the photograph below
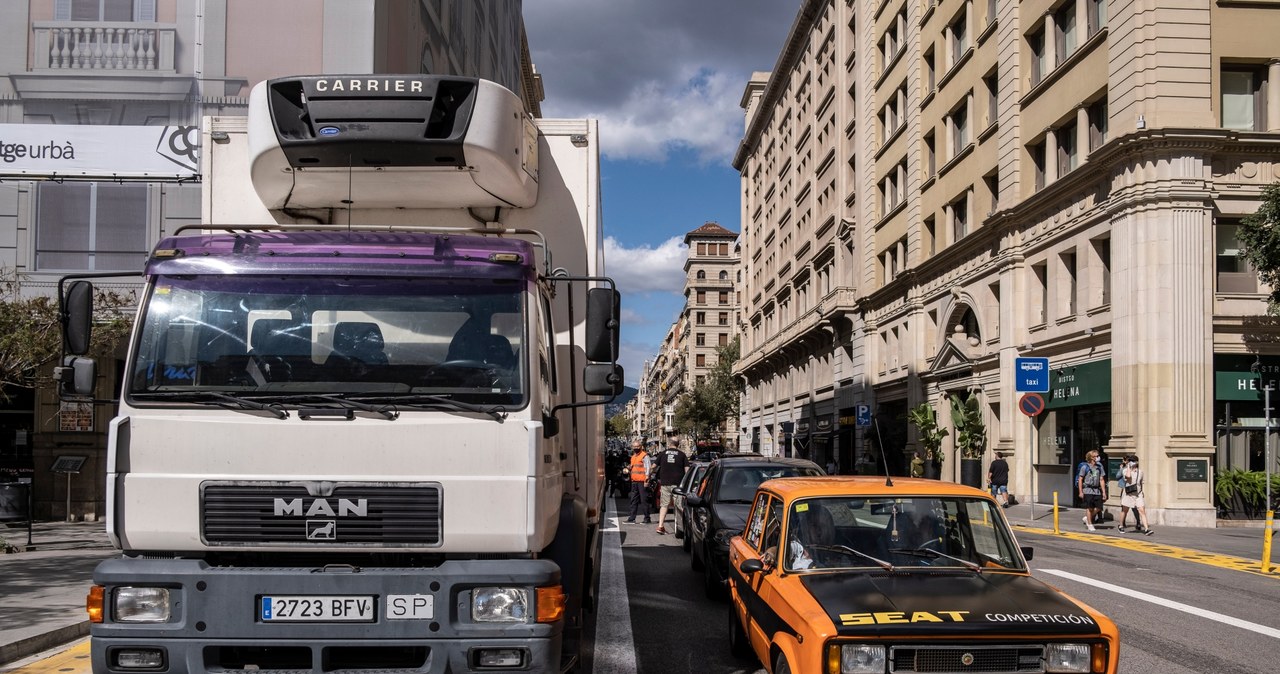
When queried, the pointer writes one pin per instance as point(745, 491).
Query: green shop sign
point(1238, 377)
point(1075, 385)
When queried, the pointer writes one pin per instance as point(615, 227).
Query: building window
point(724, 297)
point(1102, 255)
point(702, 249)
point(1243, 98)
point(701, 297)
point(958, 121)
point(699, 339)
point(724, 339)
point(930, 68)
point(1064, 24)
point(1040, 294)
point(1097, 124)
point(702, 274)
point(104, 10)
point(91, 226)
point(992, 85)
point(958, 37)
point(1037, 152)
point(930, 235)
point(1234, 273)
point(701, 360)
point(1097, 15)
point(723, 250)
point(930, 156)
point(724, 275)
point(1039, 57)
point(1070, 287)
point(1068, 154)
point(992, 182)
point(959, 213)
point(700, 318)
point(723, 318)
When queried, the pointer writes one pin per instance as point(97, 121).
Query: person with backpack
point(1091, 485)
point(1132, 498)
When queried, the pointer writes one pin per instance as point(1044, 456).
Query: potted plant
point(971, 437)
point(1240, 492)
point(931, 435)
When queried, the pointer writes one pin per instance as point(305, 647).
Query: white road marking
point(615, 648)
point(1167, 603)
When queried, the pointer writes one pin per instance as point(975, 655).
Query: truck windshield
point(387, 337)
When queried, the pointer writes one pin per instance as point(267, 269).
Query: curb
point(42, 642)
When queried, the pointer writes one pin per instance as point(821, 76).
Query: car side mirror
point(678, 491)
point(694, 500)
point(603, 311)
point(751, 566)
point(602, 379)
point(1027, 551)
point(76, 377)
point(77, 318)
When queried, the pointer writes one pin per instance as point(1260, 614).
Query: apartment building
point(988, 181)
point(106, 98)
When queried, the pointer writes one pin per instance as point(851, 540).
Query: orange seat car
point(848, 575)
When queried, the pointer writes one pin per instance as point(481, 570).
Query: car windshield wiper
point(389, 411)
point(222, 399)
point(934, 554)
point(846, 549)
point(423, 400)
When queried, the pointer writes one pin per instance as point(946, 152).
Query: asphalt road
point(1176, 615)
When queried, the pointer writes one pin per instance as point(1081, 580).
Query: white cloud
point(630, 317)
point(647, 269)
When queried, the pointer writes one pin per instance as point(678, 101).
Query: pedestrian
point(1104, 463)
point(917, 466)
point(641, 466)
point(998, 480)
point(1133, 498)
point(671, 466)
point(1091, 487)
point(832, 469)
point(1121, 483)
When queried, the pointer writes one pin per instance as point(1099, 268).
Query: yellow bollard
point(1266, 542)
point(1056, 530)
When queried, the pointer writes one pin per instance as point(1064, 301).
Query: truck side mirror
point(77, 317)
point(602, 379)
point(77, 376)
point(603, 311)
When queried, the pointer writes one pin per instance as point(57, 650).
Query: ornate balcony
point(106, 45)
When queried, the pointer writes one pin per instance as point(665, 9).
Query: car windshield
point(738, 483)
point(294, 336)
point(901, 533)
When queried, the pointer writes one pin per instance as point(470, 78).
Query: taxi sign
point(1031, 375)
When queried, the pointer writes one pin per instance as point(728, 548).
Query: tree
point(701, 411)
point(971, 431)
point(618, 426)
point(31, 332)
point(1259, 236)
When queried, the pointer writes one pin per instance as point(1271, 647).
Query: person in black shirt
point(672, 463)
point(998, 479)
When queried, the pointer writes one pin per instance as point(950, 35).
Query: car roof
point(792, 488)
point(758, 460)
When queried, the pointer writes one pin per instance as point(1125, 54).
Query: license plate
point(301, 608)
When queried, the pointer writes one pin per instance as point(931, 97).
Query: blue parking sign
point(1031, 375)
point(864, 416)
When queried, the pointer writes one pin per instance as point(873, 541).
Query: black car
point(691, 478)
point(718, 507)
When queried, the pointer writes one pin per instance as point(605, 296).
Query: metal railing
point(104, 45)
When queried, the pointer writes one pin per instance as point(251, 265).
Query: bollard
point(1056, 530)
point(1266, 542)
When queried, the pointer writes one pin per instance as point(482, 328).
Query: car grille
point(979, 659)
point(246, 514)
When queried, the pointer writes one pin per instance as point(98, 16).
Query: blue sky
point(665, 78)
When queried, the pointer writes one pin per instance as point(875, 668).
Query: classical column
point(1082, 132)
point(1273, 95)
point(1050, 44)
point(1050, 156)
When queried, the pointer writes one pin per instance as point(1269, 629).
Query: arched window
point(724, 275)
point(702, 274)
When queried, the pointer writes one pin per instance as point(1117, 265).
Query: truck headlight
point(1066, 658)
point(500, 605)
point(856, 659)
point(140, 605)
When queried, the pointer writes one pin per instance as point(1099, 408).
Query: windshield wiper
point(222, 399)
point(388, 411)
point(498, 412)
point(844, 548)
point(934, 554)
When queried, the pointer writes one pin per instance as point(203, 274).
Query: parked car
point(692, 477)
point(718, 509)
point(850, 574)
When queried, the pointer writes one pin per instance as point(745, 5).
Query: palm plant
point(931, 435)
point(971, 432)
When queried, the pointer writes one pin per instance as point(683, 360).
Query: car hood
point(945, 604)
point(730, 515)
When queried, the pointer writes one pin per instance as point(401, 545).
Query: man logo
point(321, 530)
point(346, 508)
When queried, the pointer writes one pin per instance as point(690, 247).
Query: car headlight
point(500, 605)
point(722, 536)
point(1066, 658)
point(856, 659)
point(141, 605)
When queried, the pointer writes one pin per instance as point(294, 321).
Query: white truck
point(360, 425)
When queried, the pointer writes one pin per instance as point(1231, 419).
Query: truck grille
point(348, 514)
point(980, 659)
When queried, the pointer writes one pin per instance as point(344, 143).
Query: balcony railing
point(104, 45)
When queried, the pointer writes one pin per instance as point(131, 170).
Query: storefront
point(1077, 419)
point(1239, 415)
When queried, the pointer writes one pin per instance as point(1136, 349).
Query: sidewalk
point(43, 587)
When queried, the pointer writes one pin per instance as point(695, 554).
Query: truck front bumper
point(217, 621)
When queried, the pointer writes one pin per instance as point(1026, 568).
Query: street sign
point(864, 416)
point(1031, 404)
point(1031, 375)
